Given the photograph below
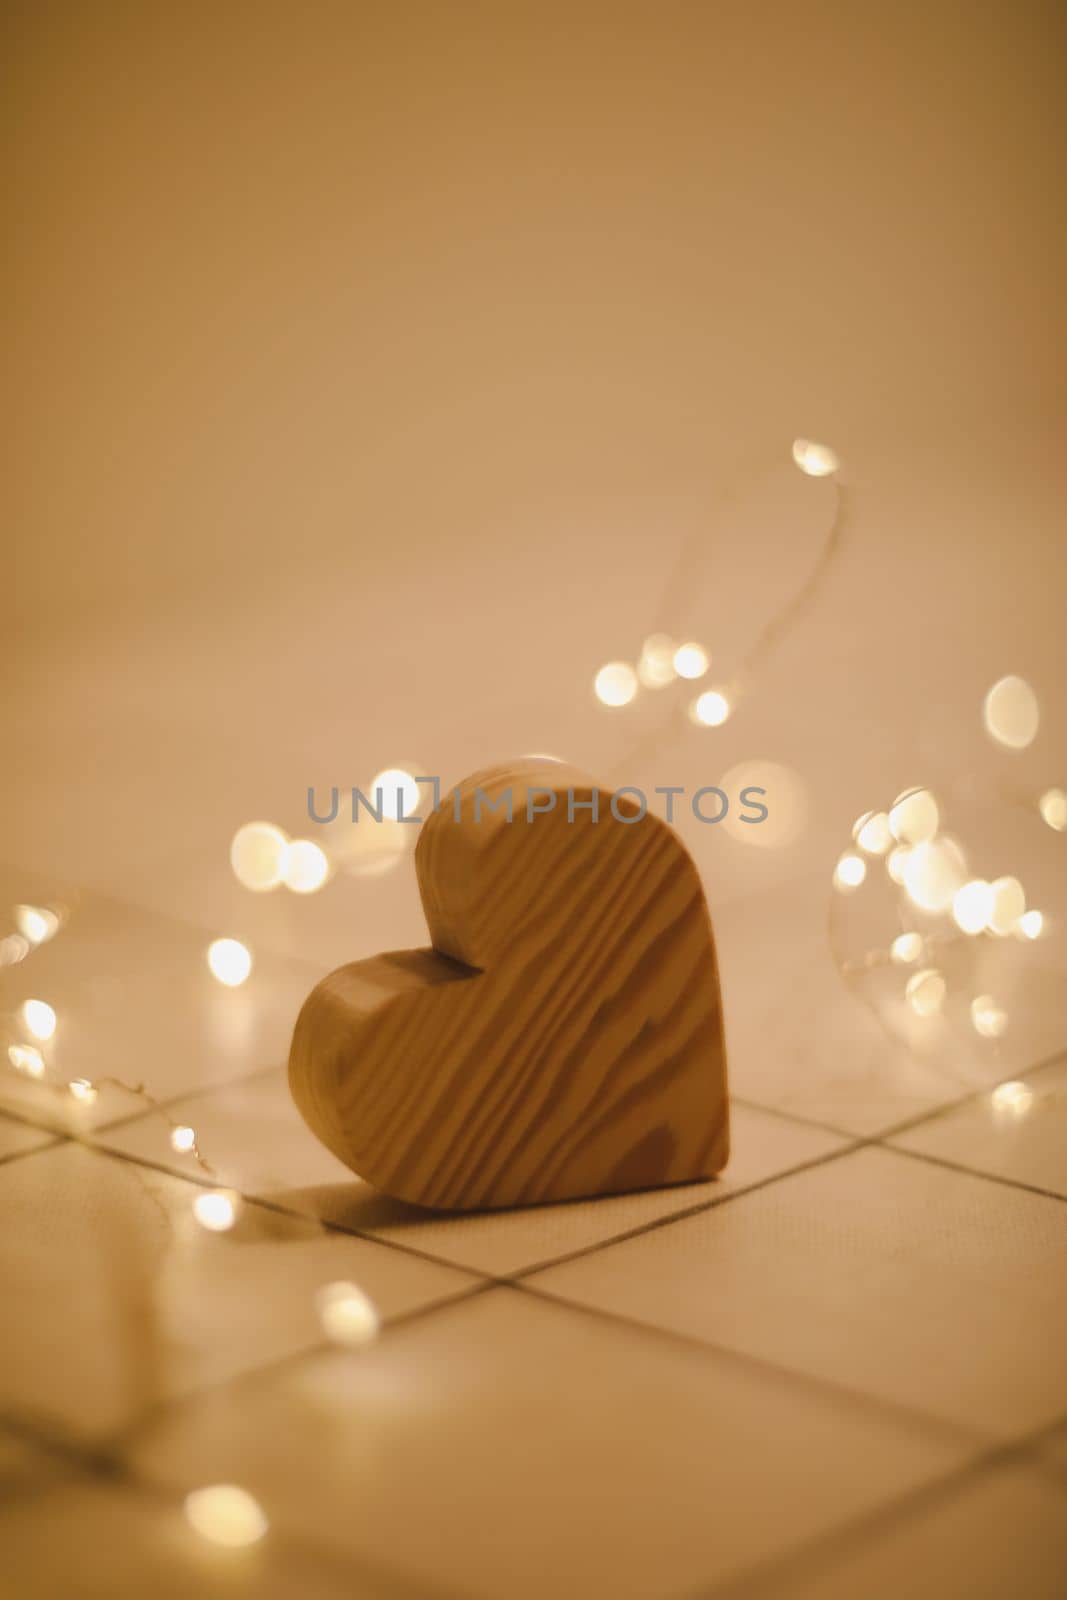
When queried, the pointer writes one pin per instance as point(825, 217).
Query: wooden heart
point(563, 1037)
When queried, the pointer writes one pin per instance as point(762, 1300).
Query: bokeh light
point(972, 905)
point(925, 992)
point(38, 1018)
point(35, 923)
point(872, 833)
point(182, 1139)
point(1053, 808)
point(83, 1091)
point(784, 796)
point(906, 948)
point(691, 661)
point(711, 708)
point(849, 872)
point(400, 794)
point(230, 961)
point(307, 866)
point(25, 1058)
point(989, 1019)
point(817, 460)
point(216, 1209)
point(258, 855)
point(914, 817)
point(226, 1514)
point(933, 874)
point(1030, 925)
point(348, 1316)
point(656, 666)
point(1012, 1099)
point(1008, 905)
point(615, 684)
point(1011, 713)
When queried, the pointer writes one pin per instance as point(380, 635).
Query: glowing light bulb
point(226, 1514)
point(35, 923)
point(988, 1018)
point(400, 794)
point(230, 961)
point(13, 949)
point(690, 661)
point(872, 833)
point(1011, 713)
point(1008, 905)
point(1012, 1099)
point(849, 872)
point(39, 1018)
point(914, 817)
point(925, 992)
point(906, 947)
point(656, 666)
point(258, 853)
point(1030, 925)
point(1053, 809)
point(83, 1091)
point(817, 460)
point(972, 905)
point(896, 863)
point(711, 708)
point(933, 873)
point(182, 1139)
point(615, 684)
point(348, 1316)
point(24, 1058)
point(216, 1209)
point(307, 866)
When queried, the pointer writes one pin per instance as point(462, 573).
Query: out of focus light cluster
point(930, 868)
point(664, 660)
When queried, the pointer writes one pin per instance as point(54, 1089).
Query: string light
point(925, 992)
point(615, 684)
point(24, 1058)
point(1012, 1099)
point(656, 666)
point(906, 948)
point(914, 817)
point(988, 1018)
point(849, 872)
point(230, 961)
point(1030, 925)
point(817, 460)
point(39, 1018)
point(258, 855)
point(711, 708)
point(182, 1139)
point(307, 866)
point(691, 661)
point(348, 1316)
point(216, 1209)
point(226, 1514)
point(872, 833)
point(1011, 713)
point(35, 923)
point(1053, 808)
point(83, 1091)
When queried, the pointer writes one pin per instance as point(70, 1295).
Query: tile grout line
point(857, 1531)
point(960, 1433)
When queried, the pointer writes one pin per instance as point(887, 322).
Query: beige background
point(373, 365)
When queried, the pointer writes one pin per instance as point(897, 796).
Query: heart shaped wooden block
point(563, 1037)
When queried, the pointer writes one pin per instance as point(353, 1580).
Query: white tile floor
point(839, 1370)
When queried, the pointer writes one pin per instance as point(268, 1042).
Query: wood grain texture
point(563, 1037)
